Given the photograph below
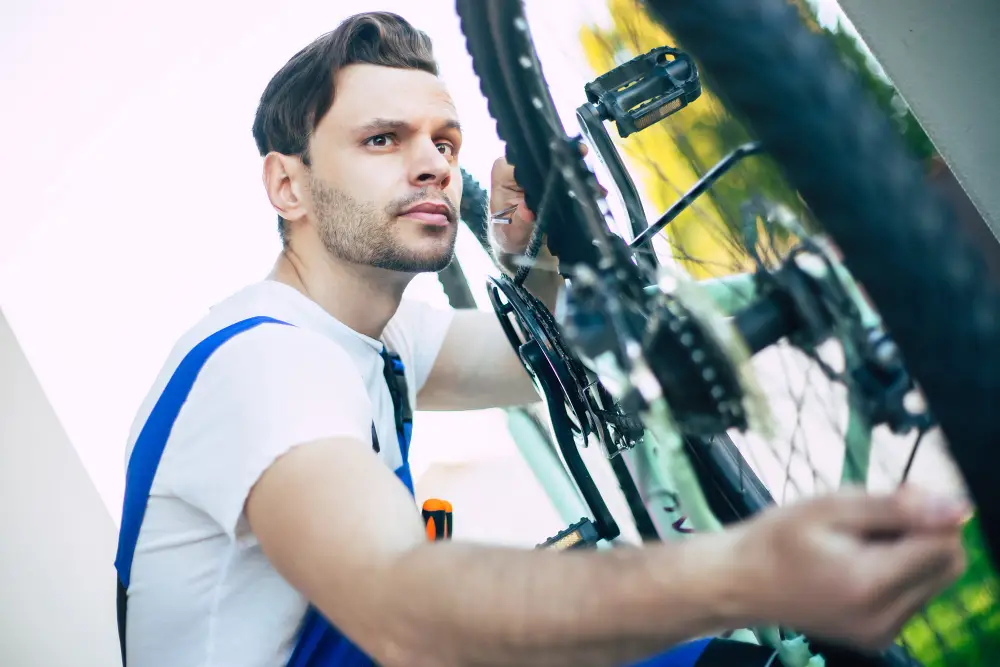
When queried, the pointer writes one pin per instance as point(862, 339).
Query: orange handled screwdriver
point(437, 519)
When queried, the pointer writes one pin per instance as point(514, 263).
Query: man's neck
point(362, 297)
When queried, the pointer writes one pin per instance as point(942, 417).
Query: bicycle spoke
point(912, 456)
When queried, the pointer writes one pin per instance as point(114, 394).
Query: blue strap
point(683, 655)
point(153, 438)
point(321, 645)
point(395, 378)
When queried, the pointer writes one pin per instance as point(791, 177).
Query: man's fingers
point(892, 581)
point(915, 560)
point(943, 565)
point(902, 511)
point(506, 192)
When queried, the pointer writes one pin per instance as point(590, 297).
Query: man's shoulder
point(275, 348)
point(264, 314)
point(259, 342)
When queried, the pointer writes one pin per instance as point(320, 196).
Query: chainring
point(591, 408)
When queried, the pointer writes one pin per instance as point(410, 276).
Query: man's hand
point(505, 192)
point(848, 567)
point(509, 238)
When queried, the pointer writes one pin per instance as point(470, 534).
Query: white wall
point(944, 57)
point(57, 540)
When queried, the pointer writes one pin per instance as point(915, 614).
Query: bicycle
point(654, 366)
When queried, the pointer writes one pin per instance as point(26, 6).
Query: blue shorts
point(711, 652)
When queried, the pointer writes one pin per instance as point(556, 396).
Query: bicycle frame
point(659, 464)
point(650, 462)
point(729, 294)
point(663, 472)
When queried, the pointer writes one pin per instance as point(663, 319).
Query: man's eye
point(446, 149)
point(380, 140)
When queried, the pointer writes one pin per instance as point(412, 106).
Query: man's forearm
point(456, 604)
point(543, 281)
point(545, 285)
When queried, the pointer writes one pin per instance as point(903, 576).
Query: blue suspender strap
point(395, 378)
point(153, 438)
point(148, 450)
point(714, 652)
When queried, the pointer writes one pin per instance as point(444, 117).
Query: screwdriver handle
point(437, 519)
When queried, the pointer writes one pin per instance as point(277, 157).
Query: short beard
point(356, 232)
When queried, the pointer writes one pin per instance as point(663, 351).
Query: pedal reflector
point(580, 535)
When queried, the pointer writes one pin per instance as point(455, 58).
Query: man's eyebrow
point(382, 125)
point(379, 125)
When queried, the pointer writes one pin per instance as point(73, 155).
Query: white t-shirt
point(202, 594)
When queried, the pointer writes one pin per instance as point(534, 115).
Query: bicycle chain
point(714, 368)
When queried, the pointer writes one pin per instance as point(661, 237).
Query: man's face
point(385, 183)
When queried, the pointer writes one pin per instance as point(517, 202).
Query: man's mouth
point(430, 213)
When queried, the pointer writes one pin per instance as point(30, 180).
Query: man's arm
point(360, 554)
point(476, 368)
point(336, 523)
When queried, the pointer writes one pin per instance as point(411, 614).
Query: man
point(275, 527)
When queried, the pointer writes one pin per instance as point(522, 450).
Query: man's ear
point(283, 176)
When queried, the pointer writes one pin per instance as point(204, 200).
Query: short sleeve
point(258, 396)
point(416, 333)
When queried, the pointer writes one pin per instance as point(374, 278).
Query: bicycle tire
point(474, 209)
point(838, 150)
point(531, 156)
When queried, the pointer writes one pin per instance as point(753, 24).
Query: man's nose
point(430, 166)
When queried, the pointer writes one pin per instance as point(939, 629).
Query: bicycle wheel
point(959, 383)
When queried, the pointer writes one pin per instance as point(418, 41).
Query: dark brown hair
point(300, 94)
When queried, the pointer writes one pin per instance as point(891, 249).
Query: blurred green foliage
point(961, 627)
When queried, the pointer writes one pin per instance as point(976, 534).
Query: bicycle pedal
point(645, 90)
point(581, 535)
